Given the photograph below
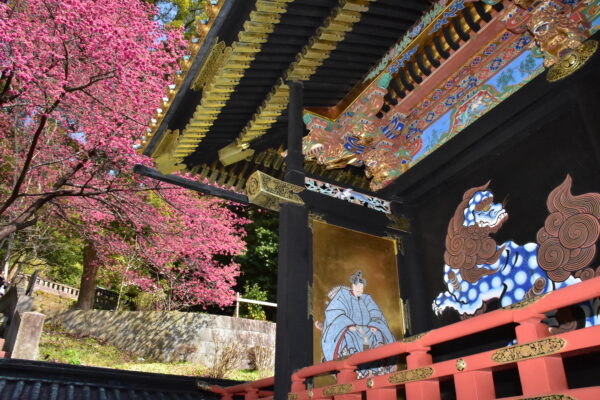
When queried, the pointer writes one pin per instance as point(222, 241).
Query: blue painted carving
point(478, 269)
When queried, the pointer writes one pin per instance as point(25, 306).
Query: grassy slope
point(59, 346)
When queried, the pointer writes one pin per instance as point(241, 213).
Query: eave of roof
point(271, 113)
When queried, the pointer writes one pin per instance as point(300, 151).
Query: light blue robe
point(346, 310)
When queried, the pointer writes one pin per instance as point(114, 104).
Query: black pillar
point(294, 325)
point(411, 270)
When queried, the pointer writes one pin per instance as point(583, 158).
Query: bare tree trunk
point(87, 289)
point(11, 239)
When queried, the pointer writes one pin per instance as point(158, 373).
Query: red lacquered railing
point(254, 390)
point(538, 357)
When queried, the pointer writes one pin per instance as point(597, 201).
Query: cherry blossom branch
point(32, 147)
point(44, 164)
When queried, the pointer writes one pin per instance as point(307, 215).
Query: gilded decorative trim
point(349, 195)
point(399, 223)
point(314, 216)
point(164, 151)
point(318, 49)
point(520, 352)
point(399, 240)
point(572, 61)
point(235, 176)
point(292, 396)
point(337, 390)
point(461, 364)
point(268, 192)
point(212, 63)
point(266, 115)
point(370, 383)
point(411, 375)
point(524, 303)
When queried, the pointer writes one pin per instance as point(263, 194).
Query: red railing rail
point(254, 390)
point(537, 355)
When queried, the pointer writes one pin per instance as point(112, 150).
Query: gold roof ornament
point(560, 33)
point(164, 153)
point(234, 152)
point(268, 192)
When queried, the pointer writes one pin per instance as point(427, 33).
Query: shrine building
point(436, 169)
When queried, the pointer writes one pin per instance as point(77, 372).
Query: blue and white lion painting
point(477, 269)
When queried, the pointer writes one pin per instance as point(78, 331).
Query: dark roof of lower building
point(34, 380)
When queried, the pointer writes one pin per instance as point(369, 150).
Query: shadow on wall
point(169, 336)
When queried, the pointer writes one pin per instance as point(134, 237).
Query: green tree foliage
point(259, 262)
point(186, 13)
point(253, 311)
point(65, 260)
point(49, 249)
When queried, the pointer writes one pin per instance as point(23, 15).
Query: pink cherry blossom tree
point(79, 81)
point(172, 242)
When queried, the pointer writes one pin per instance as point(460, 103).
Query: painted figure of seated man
point(353, 323)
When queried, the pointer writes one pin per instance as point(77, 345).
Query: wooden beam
point(190, 184)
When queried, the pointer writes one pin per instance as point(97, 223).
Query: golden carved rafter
point(212, 10)
point(268, 192)
point(429, 34)
point(213, 62)
point(341, 20)
point(232, 64)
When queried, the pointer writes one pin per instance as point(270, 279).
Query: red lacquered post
point(297, 384)
point(382, 394)
point(251, 394)
point(539, 375)
point(475, 385)
point(421, 390)
point(347, 375)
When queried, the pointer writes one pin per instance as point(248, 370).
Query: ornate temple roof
point(386, 83)
point(264, 42)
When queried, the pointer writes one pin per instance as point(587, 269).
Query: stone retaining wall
point(168, 336)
